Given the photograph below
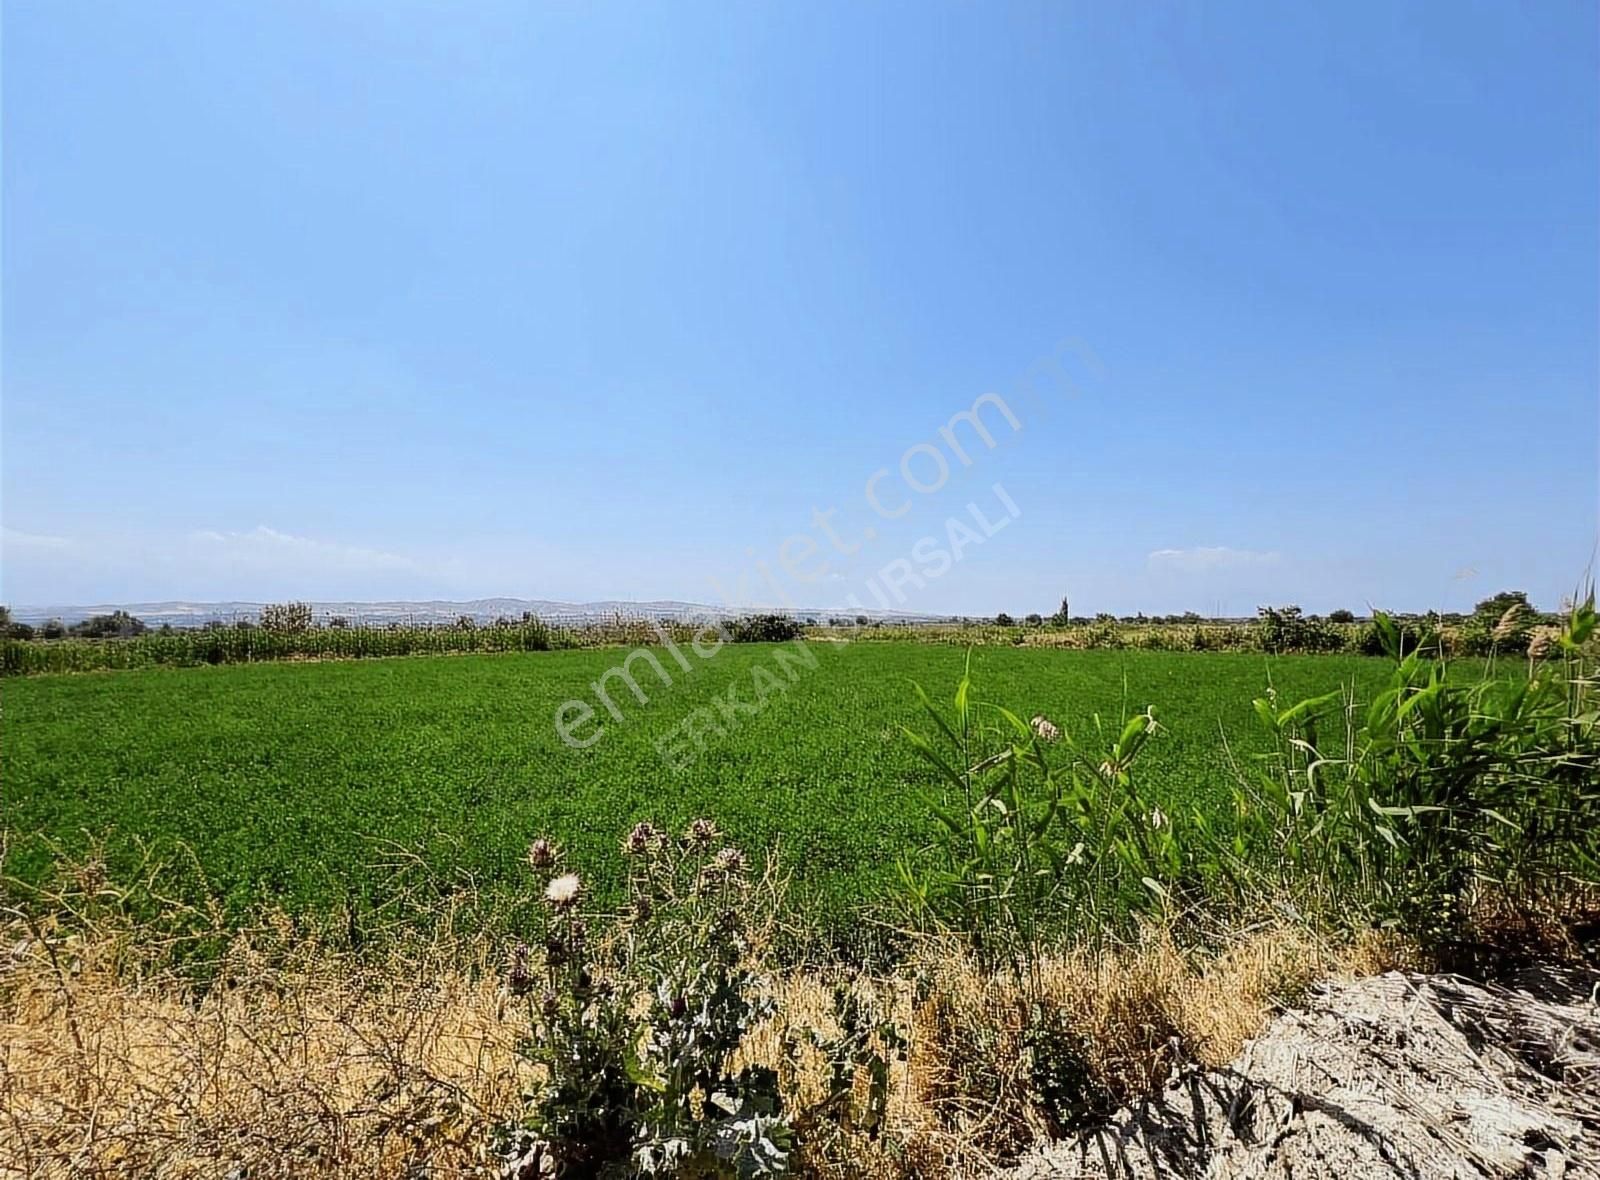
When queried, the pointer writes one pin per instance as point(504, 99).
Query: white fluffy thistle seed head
point(563, 890)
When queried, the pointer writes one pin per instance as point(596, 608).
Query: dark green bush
point(1286, 629)
point(768, 628)
point(117, 625)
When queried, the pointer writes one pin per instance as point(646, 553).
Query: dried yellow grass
point(317, 1069)
point(318, 1065)
point(1133, 1013)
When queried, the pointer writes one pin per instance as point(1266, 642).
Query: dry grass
point(317, 1067)
point(1122, 1018)
point(300, 1062)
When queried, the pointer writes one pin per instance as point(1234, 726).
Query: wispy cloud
point(1204, 559)
point(267, 546)
point(258, 564)
point(18, 539)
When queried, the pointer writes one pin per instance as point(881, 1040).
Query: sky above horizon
point(416, 300)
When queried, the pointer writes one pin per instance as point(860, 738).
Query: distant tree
point(1504, 622)
point(1034, 620)
point(118, 624)
point(339, 623)
point(767, 628)
point(1495, 608)
point(286, 618)
point(1063, 616)
point(1190, 616)
point(10, 628)
point(1341, 616)
point(52, 629)
point(466, 623)
point(1285, 628)
point(861, 620)
point(1004, 620)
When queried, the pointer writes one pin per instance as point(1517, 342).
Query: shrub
point(767, 628)
point(286, 618)
point(1502, 623)
point(1286, 629)
point(118, 624)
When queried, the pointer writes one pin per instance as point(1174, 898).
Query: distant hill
point(482, 610)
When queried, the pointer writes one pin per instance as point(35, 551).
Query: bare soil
point(1418, 1076)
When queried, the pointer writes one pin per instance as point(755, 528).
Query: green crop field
point(303, 785)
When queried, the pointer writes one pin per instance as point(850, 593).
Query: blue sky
point(431, 300)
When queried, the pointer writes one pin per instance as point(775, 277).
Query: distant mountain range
point(481, 610)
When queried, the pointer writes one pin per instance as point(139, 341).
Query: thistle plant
point(637, 1030)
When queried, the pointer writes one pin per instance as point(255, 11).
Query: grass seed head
point(1507, 626)
point(1541, 639)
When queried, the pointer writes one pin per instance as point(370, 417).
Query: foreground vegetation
point(1076, 923)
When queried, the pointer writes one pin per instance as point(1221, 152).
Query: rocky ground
point(1394, 1075)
